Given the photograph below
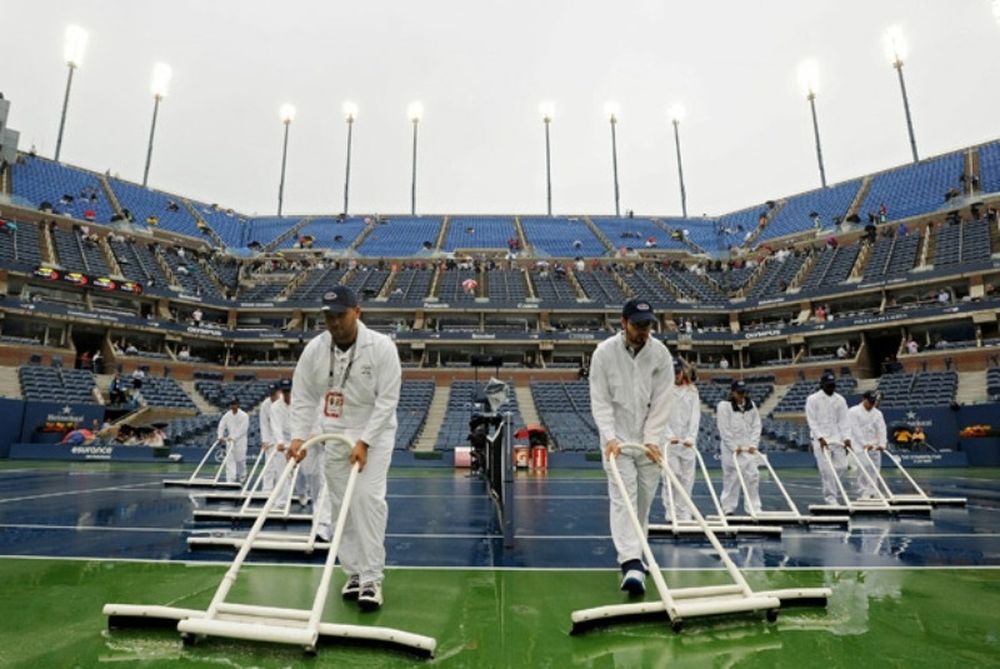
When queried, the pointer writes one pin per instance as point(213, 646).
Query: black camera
point(479, 429)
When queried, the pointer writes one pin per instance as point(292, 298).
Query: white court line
point(85, 491)
point(293, 565)
point(209, 533)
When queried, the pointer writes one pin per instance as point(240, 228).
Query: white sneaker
point(370, 596)
point(352, 588)
point(634, 582)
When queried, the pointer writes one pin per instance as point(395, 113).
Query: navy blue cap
point(286, 384)
point(234, 400)
point(828, 377)
point(739, 386)
point(870, 395)
point(339, 299)
point(272, 386)
point(638, 311)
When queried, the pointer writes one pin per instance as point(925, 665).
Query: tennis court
point(907, 591)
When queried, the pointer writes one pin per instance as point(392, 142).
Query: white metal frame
point(680, 604)
point(879, 505)
point(919, 497)
point(789, 516)
point(194, 481)
point(301, 627)
point(249, 486)
point(719, 523)
point(246, 512)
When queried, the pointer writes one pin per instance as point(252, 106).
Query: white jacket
point(738, 429)
point(827, 417)
point(281, 422)
point(867, 427)
point(237, 424)
point(371, 392)
point(684, 416)
point(264, 419)
point(630, 397)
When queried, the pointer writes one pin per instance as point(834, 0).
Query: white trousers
point(831, 494)
point(236, 463)
point(682, 461)
point(640, 476)
point(311, 474)
point(273, 464)
point(871, 461)
point(731, 489)
point(362, 549)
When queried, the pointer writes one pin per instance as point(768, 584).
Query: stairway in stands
point(435, 417)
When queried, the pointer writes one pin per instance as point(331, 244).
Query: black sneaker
point(352, 588)
point(370, 598)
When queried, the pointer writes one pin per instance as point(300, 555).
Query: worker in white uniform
point(681, 439)
point(739, 432)
point(631, 376)
point(267, 440)
point(829, 430)
point(354, 374)
point(281, 427)
point(235, 424)
point(868, 432)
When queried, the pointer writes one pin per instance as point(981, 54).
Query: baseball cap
point(739, 385)
point(286, 384)
point(271, 387)
point(234, 400)
point(638, 311)
point(339, 299)
point(870, 395)
point(828, 377)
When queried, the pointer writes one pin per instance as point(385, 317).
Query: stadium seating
point(40, 180)
point(561, 237)
point(794, 400)
point(777, 276)
point(989, 167)
point(165, 392)
point(796, 215)
point(993, 383)
point(190, 274)
point(600, 286)
point(249, 393)
point(77, 255)
point(451, 290)
point(412, 285)
point(832, 267)
point(411, 413)
point(892, 258)
point(564, 409)
point(634, 232)
point(505, 285)
point(327, 232)
point(914, 189)
point(454, 429)
point(368, 282)
point(647, 283)
point(138, 263)
point(923, 389)
point(552, 286)
point(962, 243)
point(479, 232)
point(142, 203)
point(232, 228)
point(19, 243)
point(693, 286)
point(401, 236)
point(52, 384)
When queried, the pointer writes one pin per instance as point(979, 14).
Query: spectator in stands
point(184, 354)
point(944, 297)
point(234, 427)
point(842, 352)
point(116, 391)
point(631, 377)
point(130, 349)
point(918, 440)
point(137, 378)
point(830, 432)
point(362, 406)
point(902, 230)
point(820, 314)
point(84, 361)
point(97, 362)
point(912, 346)
point(681, 439)
point(723, 363)
point(739, 433)
point(868, 432)
point(197, 315)
point(152, 220)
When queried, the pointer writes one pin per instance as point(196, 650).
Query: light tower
point(676, 115)
point(415, 111)
point(161, 83)
point(548, 112)
point(613, 111)
point(809, 78)
point(76, 45)
point(287, 114)
point(896, 50)
point(350, 113)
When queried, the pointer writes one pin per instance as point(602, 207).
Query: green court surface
point(506, 618)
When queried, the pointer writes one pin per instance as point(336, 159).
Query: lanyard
point(347, 370)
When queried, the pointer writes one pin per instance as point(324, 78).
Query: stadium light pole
point(809, 78)
point(612, 110)
point(161, 82)
point(350, 113)
point(896, 50)
point(287, 113)
point(415, 112)
point(76, 45)
point(548, 111)
point(676, 115)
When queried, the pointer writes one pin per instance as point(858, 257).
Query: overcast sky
point(481, 68)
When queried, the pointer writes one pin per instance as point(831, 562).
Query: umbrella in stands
point(528, 430)
point(470, 285)
point(77, 437)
